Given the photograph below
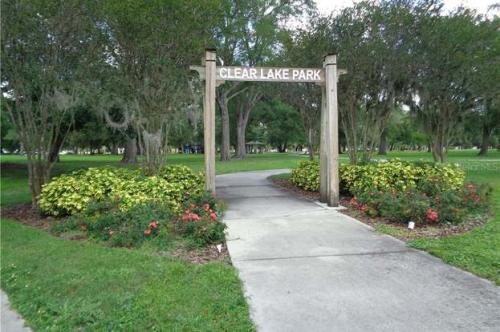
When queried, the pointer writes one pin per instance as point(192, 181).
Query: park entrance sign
point(266, 74)
point(326, 77)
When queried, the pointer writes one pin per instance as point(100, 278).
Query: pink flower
point(213, 216)
point(147, 232)
point(153, 224)
point(432, 215)
point(354, 202)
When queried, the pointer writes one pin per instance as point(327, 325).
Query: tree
point(486, 80)
point(283, 124)
point(250, 35)
point(45, 48)
point(10, 139)
point(445, 61)
point(306, 48)
point(150, 46)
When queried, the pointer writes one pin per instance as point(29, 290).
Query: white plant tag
point(219, 247)
point(411, 225)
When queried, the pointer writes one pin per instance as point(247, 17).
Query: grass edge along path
point(58, 284)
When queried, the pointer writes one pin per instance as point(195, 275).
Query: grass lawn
point(65, 285)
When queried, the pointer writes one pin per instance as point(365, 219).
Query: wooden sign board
point(326, 77)
point(270, 74)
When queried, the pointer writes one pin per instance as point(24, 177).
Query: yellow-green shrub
point(68, 194)
point(306, 175)
point(398, 175)
point(384, 176)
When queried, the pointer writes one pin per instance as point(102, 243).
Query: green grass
point(15, 177)
point(477, 251)
point(64, 285)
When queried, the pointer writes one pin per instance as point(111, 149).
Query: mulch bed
point(203, 255)
point(400, 231)
point(24, 214)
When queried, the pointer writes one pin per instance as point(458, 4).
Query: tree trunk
point(130, 152)
point(241, 147)
point(382, 147)
point(55, 148)
point(485, 142)
point(113, 149)
point(310, 148)
point(225, 151)
point(438, 153)
point(38, 175)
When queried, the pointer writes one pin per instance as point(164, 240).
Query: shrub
point(306, 175)
point(384, 176)
point(201, 220)
point(451, 206)
point(69, 194)
point(105, 221)
point(395, 206)
point(401, 176)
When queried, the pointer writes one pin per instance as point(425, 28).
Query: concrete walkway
point(309, 268)
point(10, 321)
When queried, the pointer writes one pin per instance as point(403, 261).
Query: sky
point(327, 6)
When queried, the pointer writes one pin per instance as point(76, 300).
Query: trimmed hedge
point(72, 193)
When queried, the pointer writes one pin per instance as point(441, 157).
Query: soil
point(399, 231)
point(26, 215)
point(203, 255)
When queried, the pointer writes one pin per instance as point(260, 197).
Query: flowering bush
point(201, 220)
point(69, 194)
point(105, 221)
point(413, 205)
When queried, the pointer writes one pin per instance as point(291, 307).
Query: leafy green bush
point(105, 221)
point(201, 220)
point(306, 175)
point(401, 176)
point(72, 193)
point(402, 191)
point(451, 206)
point(384, 176)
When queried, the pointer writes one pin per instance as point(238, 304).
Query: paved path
point(308, 268)
point(10, 321)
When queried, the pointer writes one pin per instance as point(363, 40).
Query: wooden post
point(209, 119)
point(332, 131)
point(323, 150)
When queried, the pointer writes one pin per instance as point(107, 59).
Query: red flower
point(153, 224)
point(147, 232)
point(190, 217)
point(432, 215)
point(213, 216)
point(354, 202)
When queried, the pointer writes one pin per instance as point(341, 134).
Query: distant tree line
point(83, 75)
